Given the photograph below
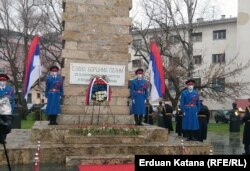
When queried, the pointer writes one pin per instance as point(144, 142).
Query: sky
point(229, 8)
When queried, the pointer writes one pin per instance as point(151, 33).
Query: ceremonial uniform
point(190, 105)
point(6, 115)
point(203, 117)
point(54, 91)
point(139, 94)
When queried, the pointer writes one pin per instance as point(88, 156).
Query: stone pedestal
point(95, 32)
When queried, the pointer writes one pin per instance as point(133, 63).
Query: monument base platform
point(63, 145)
point(95, 119)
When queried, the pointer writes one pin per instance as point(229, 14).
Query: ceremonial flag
point(33, 65)
point(156, 73)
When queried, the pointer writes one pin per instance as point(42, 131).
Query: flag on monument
point(157, 79)
point(33, 65)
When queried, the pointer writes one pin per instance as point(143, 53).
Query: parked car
point(37, 107)
point(222, 116)
point(29, 106)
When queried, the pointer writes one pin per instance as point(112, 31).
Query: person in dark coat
point(178, 120)
point(54, 91)
point(160, 113)
point(203, 116)
point(234, 125)
point(168, 117)
point(190, 106)
point(246, 133)
point(148, 118)
point(139, 94)
point(7, 96)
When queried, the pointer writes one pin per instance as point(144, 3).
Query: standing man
point(190, 106)
point(139, 94)
point(168, 117)
point(149, 113)
point(246, 132)
point(203, 116)
point(54, 92)
point(6, 107)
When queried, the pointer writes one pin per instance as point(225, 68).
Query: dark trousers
point(138, 119)
point(52, 119)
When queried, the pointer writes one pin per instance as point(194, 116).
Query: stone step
point(101, 159)
point(104, 139)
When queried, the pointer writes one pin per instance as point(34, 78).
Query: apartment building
point(215, 42)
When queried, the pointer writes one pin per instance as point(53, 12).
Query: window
point(29, 100)
point(137, 43)
point(218, 84)
point(219, 34)
point(38, 95)
point(197, 59)
point(174, 39)
point(197, 82)
point(197, 37)
point(218, 58)
point(2, 71)
point(136, 63)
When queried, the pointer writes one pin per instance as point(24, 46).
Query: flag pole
point(40, 91)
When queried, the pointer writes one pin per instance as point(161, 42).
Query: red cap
point(190, 82)
point(139, 71)
point(54, 68)
point(4, 77)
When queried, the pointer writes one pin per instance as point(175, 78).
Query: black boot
point(136, 119)
point(140, 119)
point(189, 136)
point(50, 119)
point(193, 138)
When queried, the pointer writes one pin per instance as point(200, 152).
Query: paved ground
point(224, 143)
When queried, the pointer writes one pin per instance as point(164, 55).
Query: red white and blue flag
point(33, 66)
point(157, 78)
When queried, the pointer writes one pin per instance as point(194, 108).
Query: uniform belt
point(190, 105)
point(139, 91)
point(168, 113)
point(202, 116)
point(53, 90)
point(248, 120)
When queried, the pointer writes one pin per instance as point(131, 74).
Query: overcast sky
point(221, 7)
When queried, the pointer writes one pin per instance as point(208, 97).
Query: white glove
point(133, 101)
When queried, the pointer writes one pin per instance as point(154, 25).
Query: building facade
point(214, 43)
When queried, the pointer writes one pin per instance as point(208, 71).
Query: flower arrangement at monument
point(104, 131)
point(99, 91)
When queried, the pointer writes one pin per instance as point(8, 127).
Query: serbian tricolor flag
point(157, 79)
point(33, 65)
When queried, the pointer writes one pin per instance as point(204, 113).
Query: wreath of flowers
point(98, 91)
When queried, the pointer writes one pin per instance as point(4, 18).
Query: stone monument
point(95, 43)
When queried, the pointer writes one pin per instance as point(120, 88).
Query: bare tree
point(172, 24)
point(19, 21)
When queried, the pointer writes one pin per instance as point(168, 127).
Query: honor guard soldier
point(6, 107)
point(190, 106)
point(139, 94)
point(54, 91)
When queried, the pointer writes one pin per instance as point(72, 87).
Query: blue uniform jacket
point(190, 105)
point(9, 92)
point(138, 93)
point(53, 91)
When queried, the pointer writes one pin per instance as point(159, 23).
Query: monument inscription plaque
point(96, 36)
